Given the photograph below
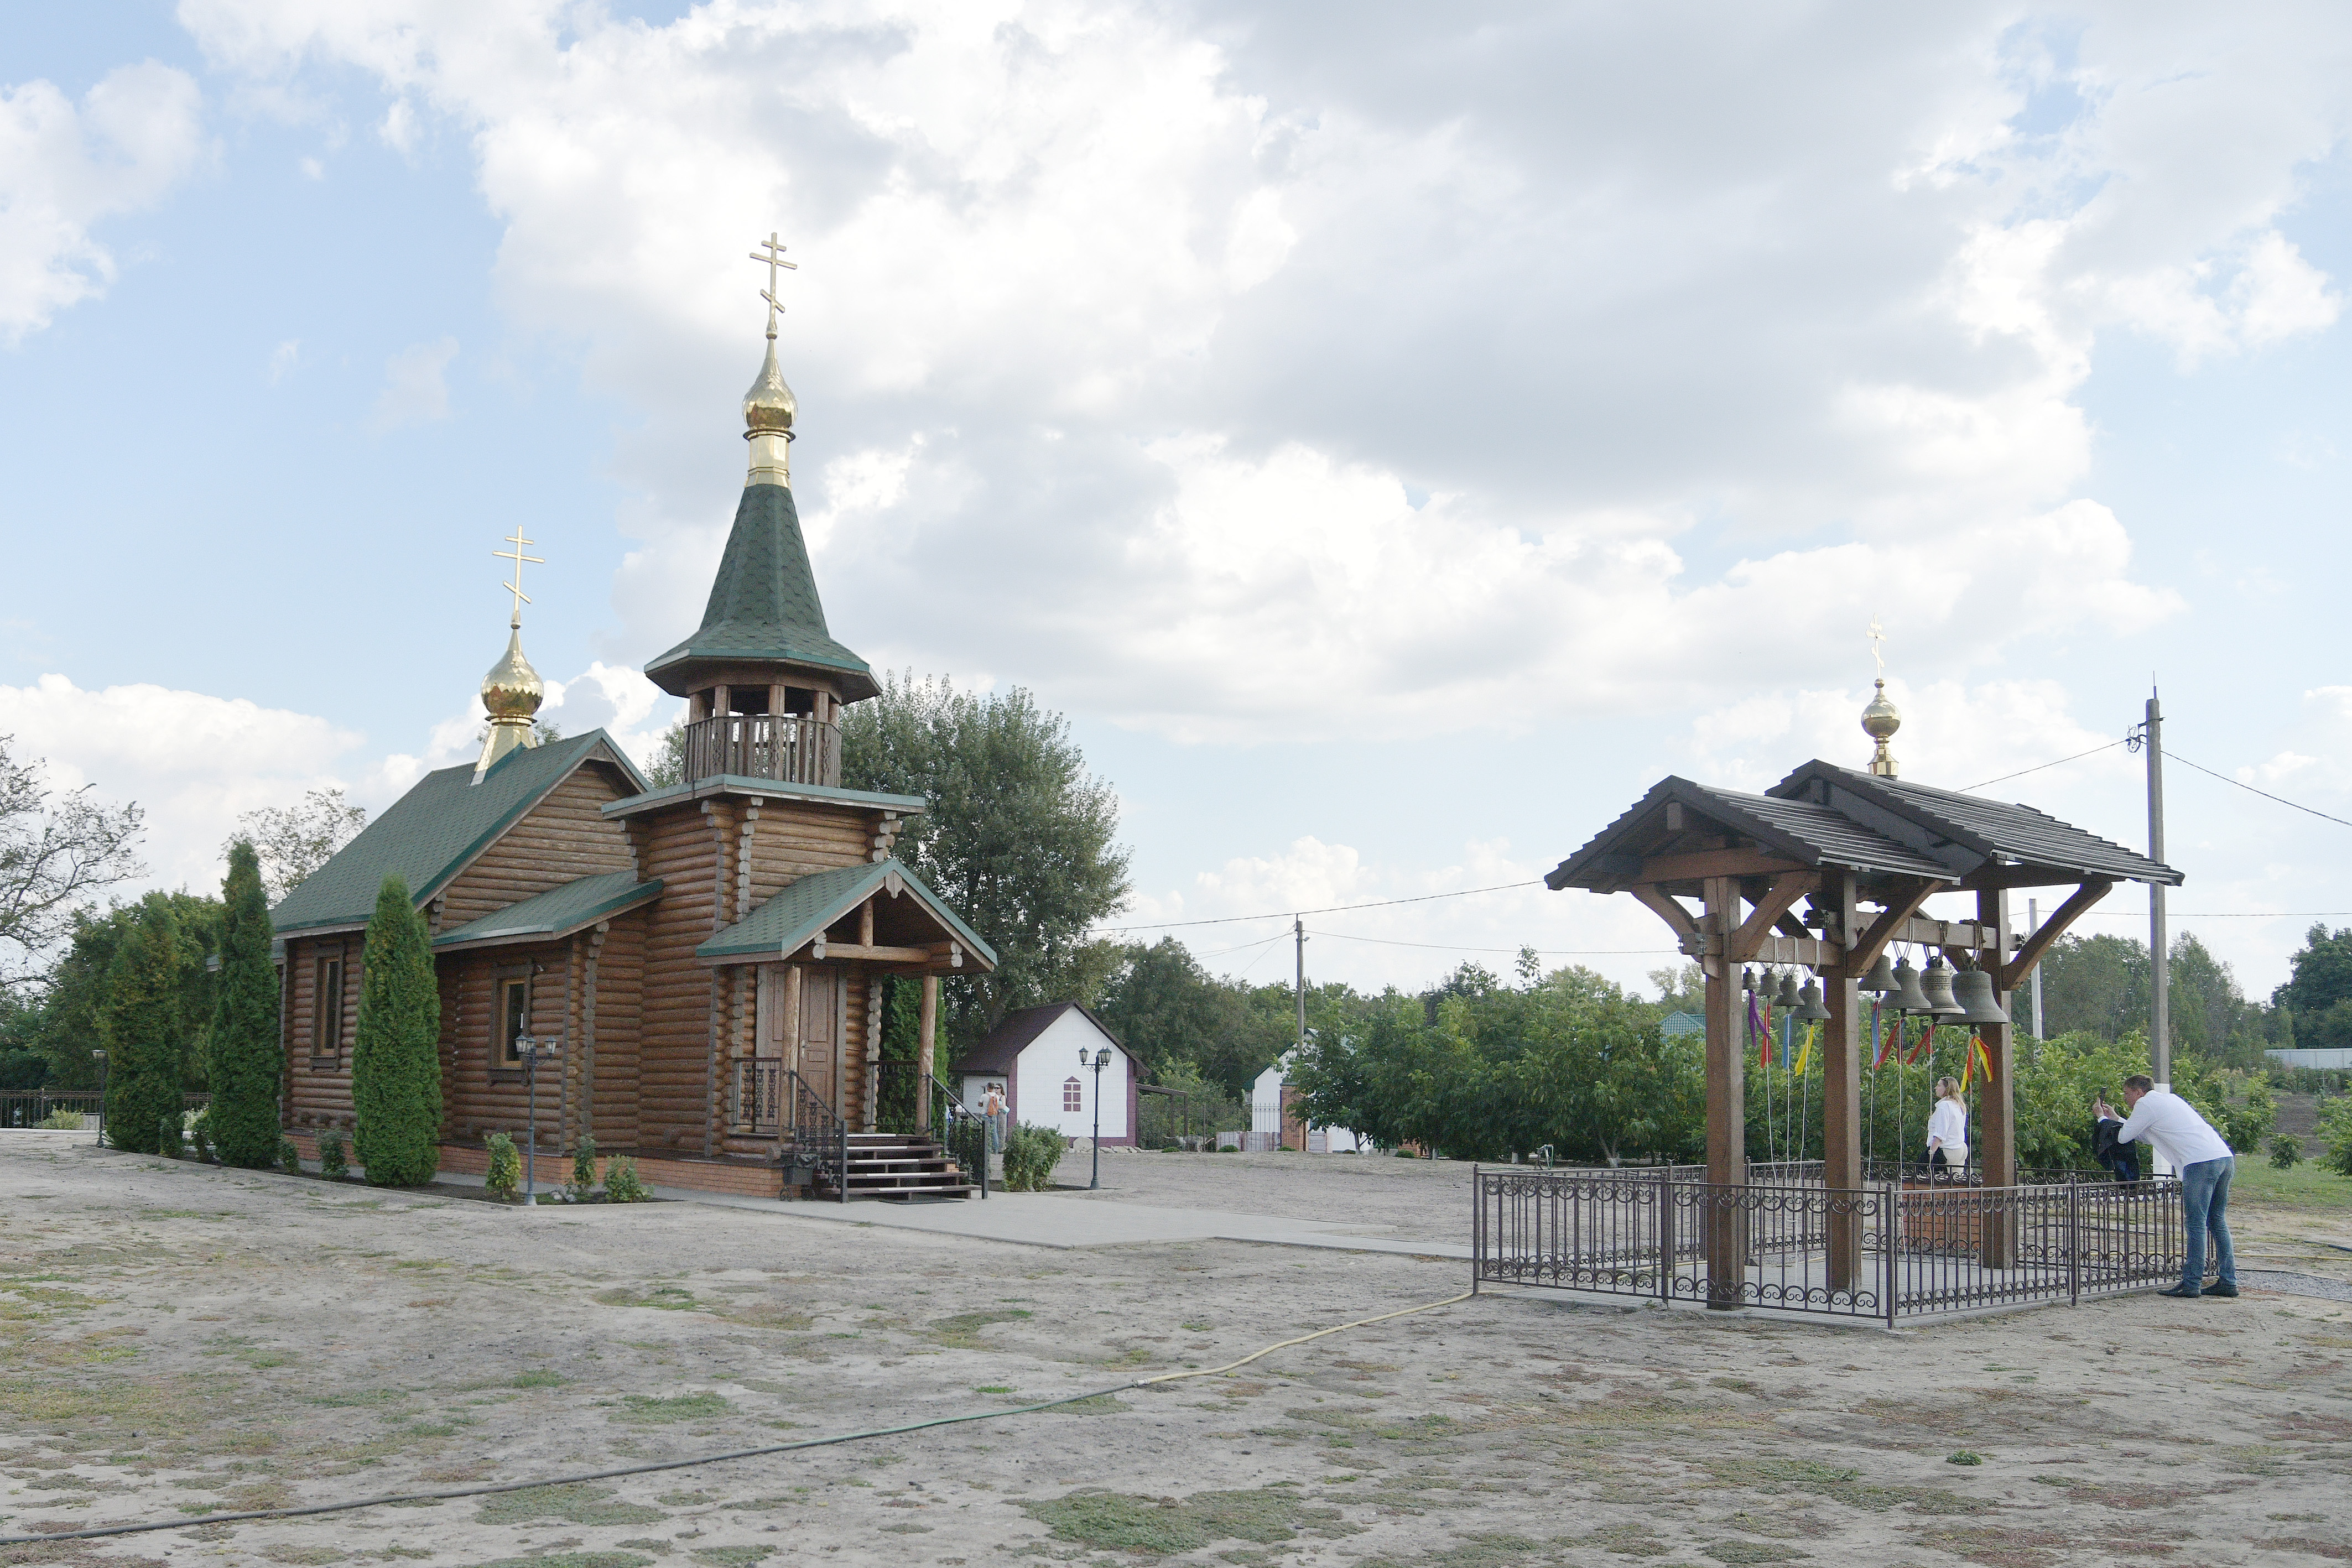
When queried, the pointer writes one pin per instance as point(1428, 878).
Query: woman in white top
point(1947, 1128)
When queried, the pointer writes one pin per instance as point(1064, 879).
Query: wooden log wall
point(793, 838)
point(686, 849)
point(620, 976)
point(479, 1093)
point(562, 838)
point(319, 1089)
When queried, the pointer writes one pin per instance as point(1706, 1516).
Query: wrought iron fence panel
point(31, 1107)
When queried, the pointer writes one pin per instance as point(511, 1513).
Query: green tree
point(243, 1050)
point(294, 841)
point(140, 1022)
point(396, 1052)
point(56, 854)
point(1018, 838)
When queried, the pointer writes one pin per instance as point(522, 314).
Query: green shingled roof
point(558, 911)
point(808, 905)
point(763, 603)
point(429, 834)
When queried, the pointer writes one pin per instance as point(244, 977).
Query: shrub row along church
point(709, 954)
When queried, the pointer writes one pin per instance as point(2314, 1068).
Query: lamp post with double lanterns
point(531, 1048)
point(1097, 1060)
point(100, 1056)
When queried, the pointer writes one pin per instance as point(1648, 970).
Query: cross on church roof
point(516, 556)
point(774, 257)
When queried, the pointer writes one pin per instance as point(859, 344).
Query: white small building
point(1276, 1123)
point(1034, 1057)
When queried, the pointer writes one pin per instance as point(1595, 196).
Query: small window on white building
point(1074, 1094)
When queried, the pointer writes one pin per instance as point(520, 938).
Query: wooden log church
point(706, 959)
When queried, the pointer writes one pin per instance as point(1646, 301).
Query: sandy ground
point(181, 1339)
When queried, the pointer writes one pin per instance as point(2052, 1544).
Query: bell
point(1972, 988)
point(1808, 1003)
point(1748, 979)
point(1881, 977)
point(1787, 997)
point(1908, 996)
point(1937, 983)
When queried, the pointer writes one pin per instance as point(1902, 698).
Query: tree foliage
point(66, 1024)
point(1018, 839)
point(243, 1051)
point(1168, 1010)
point(395, 1050)
point(56, 856)
point(2101, 985)
point(140, 1023)
point(294, 841)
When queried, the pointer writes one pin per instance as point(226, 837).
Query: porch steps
point(902, 1167)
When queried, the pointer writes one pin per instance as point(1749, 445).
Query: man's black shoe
point(2188, 1291)
point(2221, 1288)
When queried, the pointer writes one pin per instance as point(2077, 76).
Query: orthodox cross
point(774, 257)
point(516, 556)
point(1877, 637)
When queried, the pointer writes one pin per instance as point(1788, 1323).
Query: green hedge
point(1029, 1155)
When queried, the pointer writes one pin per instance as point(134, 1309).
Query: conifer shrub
point(200, 1134)
point(395, 1051)
point(505, 1174)
point(243, 1059)
point(289, 1159)
point(333, 1163)
point(168, 1141)
point(139, 1024)
point(622, 1182)
point(583, 1185)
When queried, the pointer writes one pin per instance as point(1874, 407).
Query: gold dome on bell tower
point(1881, 719)
point(512, 691)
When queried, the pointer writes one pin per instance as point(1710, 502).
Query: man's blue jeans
point(2204, 1205)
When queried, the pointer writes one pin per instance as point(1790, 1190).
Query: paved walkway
point(1057, 1219)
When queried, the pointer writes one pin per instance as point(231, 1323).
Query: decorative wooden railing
point(782, 747)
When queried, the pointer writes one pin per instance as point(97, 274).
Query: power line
point(2263, 793)
point(1539, 952)
point(2223, 914)
point(2060, 763)
point(1331, 909)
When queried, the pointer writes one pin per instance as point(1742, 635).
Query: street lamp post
point(531, 1050)
point(100, 1056)
point(1100, 1059)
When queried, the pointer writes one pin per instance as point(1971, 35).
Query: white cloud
point(63, 167)
point(414, 388)
point(193, 761)
point(283, 359)
point(1126, 340)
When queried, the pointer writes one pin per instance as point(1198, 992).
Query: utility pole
point(2159, 950)
point(2032, 924)
point(1298, 930)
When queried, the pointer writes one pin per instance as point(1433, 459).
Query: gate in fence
point(1894, 1250)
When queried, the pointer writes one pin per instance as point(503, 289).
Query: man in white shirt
point(2187, 1143)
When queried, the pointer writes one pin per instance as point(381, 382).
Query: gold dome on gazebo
point(1880, 720)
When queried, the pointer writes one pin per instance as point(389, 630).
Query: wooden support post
point(926, 1030)
point(1996, 1140)
point(1841, 1089)
point(1727, 1109)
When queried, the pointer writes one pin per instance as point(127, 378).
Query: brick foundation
point(738, 1178)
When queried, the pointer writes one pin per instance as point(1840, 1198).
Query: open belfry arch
point(1823, 871)
point(710, 955)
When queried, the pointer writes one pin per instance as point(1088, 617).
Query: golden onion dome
point(513, 689)
point(1880, 720)
point(769, 406)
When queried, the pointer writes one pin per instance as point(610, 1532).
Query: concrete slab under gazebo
point(1823, 870)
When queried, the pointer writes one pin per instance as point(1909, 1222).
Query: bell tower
point(764, 678)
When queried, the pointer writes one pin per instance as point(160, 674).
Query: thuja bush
point(289, 1159)
point(622, 1182)
point(505, 1174)
point(139, 1024)
point(1029, 1155)
point(583, 1170)
point(243, 1059)
point(332, 1162)
point(200, 1136)
point(396, 1052)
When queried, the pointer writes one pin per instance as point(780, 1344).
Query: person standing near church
point(1948, 1130)
point(2187, 1143)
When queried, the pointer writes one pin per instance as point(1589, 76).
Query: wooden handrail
point(787, 748)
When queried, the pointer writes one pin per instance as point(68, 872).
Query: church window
point(1074, 1094)
point(327, 1009)
point(514, 1017)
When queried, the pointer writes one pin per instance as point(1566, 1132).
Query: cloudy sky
point(1396, 435)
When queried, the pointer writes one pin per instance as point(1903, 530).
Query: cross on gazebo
point(516, 556)
point(775, 259)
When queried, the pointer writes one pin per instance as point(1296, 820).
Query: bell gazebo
point(1826, 871)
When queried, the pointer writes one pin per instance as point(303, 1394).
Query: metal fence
point(31, 1107)
point(1888, 1250)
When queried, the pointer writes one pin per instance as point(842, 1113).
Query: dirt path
point(181, 1339)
